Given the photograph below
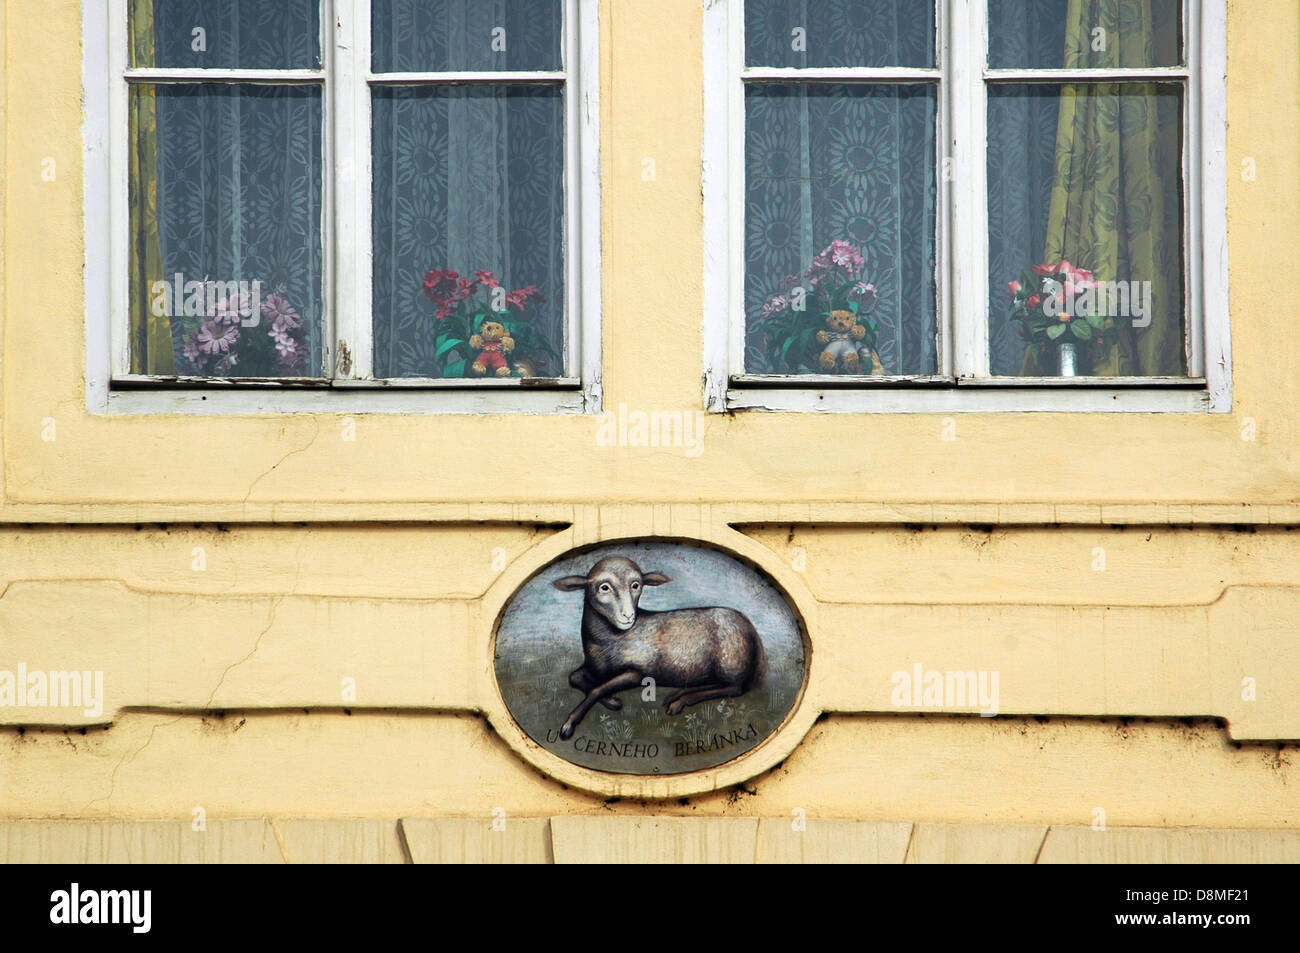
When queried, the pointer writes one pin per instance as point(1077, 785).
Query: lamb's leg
point(581, 679)
point(702, 695)
point(628, 679)
point(687, 691)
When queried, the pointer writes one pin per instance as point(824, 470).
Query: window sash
point(969, 91)
point(347, 80)
point(962, 250)
point(122, 77)
point(740, 76)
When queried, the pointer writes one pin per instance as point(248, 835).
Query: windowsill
point(344, 397)
point(828, 381)
point(133, 382)
point(991, 395)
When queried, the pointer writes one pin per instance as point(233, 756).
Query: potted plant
point(484, 330)
point(246, 335)
point(1066, 326)
point(818, 322)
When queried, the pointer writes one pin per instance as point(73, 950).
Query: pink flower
point(867, 292)
point(191, 350)
point(1035, 300)
point(233, 310)
point(818, 271)
point(216, 337)
point(286, 347)
point(280, 313)
point(1078, 280)
point(1013, 288)
point(1080, 277)
point(487, 278)
point(776, 306)
point(844, 255)
point(838, 254)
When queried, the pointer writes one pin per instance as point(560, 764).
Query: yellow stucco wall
point(380, 558)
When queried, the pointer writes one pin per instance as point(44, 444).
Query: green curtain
point(1114, 211)
point(151, 335)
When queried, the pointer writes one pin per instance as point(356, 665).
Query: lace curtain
point(466, 178)
point(842, 162)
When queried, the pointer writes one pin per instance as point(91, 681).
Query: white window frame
point(963, 383)
point(346, 80)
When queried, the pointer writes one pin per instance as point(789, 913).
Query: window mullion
point(892, 75)
point(481, 78)
point(968, 52)
point(1194, 264)
point(119, 191)
point(352, 351)
point(574, 263)
point(735, 54)
point(1092, 74)
point(943, 308)
point(275, 77)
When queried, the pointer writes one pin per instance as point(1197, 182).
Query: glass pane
point(1086, 230)
point(839, 229)
point(225, 34)
point(1081, 34)
point(419, 36)
point(226, 230)
point(823, 33)
point(469, 231)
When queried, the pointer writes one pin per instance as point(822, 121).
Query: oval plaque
point(655, 657)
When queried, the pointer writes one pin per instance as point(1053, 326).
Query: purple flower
point(217, 337)
point(234, 309)
point(282, 315)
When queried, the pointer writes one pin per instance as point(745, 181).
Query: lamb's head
point(613, 589)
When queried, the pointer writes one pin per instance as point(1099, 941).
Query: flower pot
point(1066, 359)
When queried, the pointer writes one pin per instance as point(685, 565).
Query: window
point(971, 205)
point(393, 198)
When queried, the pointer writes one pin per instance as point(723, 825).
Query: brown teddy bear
point(841, 343)
point(493, 344)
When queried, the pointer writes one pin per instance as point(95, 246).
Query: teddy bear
point(493, 344)
point(841, 344)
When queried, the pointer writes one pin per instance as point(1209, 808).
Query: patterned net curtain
point(152, 349)
point(225, 191)
point(1088, 173)
point(842, 162)
point(466, 178)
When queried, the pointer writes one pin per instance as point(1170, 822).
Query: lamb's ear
point(654, 579)
point(570, 583)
